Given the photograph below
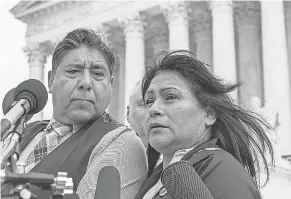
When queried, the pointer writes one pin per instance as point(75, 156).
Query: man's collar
point(75, 127)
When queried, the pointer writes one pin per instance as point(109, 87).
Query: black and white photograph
point(145, 99)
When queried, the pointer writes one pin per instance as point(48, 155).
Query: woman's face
point(174, 118)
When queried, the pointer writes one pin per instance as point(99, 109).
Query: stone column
point(276, 72)
point(287, 6)
point(37, 54)
point(115, 40)
point(176, 14)
point(247, 18)
point(134, 52)
point(203, 33)
point(224, 64)
point(122, 86)
point(116, 107)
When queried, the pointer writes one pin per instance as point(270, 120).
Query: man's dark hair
point(238, 132)
point(75, 39)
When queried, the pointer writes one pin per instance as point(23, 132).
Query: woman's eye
point(171, 97)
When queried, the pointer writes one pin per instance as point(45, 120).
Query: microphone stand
point(13, 174)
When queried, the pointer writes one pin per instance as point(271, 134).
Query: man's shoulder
point(120, 139)
point(31, 130)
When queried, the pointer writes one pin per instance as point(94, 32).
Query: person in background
point(190, 118)
point(135, 112)
point(81, 138)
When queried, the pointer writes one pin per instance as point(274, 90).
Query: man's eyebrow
point(75, 65)
point(98, 66)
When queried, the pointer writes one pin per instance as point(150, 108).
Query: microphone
point(187, 183)
point(108, 184)
point(8, 102)
point(30, 97)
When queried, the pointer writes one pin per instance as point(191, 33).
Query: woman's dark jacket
point(222, 174)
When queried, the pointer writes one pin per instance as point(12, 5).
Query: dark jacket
point(222, 174)
point(72, 155)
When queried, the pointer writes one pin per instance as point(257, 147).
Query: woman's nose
point(156, 110)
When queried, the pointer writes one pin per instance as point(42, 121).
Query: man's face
point(82, 86)
point(136, 111)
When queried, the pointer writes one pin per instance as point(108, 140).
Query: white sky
point(13, 62)
point(14, 67)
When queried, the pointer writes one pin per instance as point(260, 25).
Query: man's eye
point(149, 101)
point(72, 71)
point(99, 74)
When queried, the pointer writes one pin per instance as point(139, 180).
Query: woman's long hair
point(239, 132)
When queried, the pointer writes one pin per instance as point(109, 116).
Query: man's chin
point(81, 116)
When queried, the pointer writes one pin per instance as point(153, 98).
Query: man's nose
point(85, 82)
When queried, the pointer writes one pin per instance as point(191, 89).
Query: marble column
point(176, 14)
point(224, 63)
point(115, 40)
point(37, 59)
point(116, 107)
point(121, 87)
point(247, 18)
point(287, 6)
point(276, 71)
point(203, 34)
point(37, 54)
point(134, 52)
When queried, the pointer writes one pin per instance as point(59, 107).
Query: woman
point(189, 116)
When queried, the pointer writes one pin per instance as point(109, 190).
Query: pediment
point(24, 6)
point(27, 7)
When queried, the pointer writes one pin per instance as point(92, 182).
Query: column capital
point(247, 12)
point(221, 5)
point(132, 23)
point(37, 52)
point(175, 10)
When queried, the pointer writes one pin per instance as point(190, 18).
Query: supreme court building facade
point(241, 41)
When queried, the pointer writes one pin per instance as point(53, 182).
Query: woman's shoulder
point(221, 160)
point(226, 177)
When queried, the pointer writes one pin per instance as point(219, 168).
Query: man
point(135, 112)
point(81, 138)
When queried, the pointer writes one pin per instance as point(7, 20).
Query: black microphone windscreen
point(108, 184)
point(182, 182)
point(8, 101)
point(34, 91)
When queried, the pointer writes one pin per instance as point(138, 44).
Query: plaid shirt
point(54, 135)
